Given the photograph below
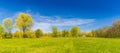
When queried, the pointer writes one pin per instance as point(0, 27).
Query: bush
point(18, 34)
point(7, 35)
point(38, 33)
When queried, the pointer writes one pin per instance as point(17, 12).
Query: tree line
point(107, 31)
point(24, 23)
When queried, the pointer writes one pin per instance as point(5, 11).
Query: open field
point(60, 45)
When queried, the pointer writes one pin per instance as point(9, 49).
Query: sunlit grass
point(60, 45)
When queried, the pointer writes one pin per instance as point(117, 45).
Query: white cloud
point(46, 22)
point(72, 22)
point(43, 26)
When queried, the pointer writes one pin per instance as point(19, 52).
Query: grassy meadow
point(60, 45)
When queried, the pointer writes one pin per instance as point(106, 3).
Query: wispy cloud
point(46, 22)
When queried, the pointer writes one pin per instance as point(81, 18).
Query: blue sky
point(87, 14)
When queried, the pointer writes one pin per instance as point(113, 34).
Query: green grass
point(60, 45)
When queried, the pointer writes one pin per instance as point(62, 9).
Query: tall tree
point(7, 25)
point(54, 31)
point(24, 22)
point(114, 31)
point(75, 31)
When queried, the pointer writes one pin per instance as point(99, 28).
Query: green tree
point(114, 31)
point(48, 35)
point(18, 34)
point(29, 34)
point(75, 31)
point(38, 33)
point(65, 33)
point(1, 31)
point(54, 31)
point(83, 34)
point(101, 32)
point(90, 34)
point(24, 22)
point(7, 25)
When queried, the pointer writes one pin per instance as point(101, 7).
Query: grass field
point(60, 45)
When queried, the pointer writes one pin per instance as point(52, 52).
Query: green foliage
point(38, 33)
point(24, 22)
point(29, 34)
point(7, 25)
point(18, 34)
point(114, 31)
point(48, 35)
point(65, 33)
point(7, 35)
point(101, 32)
point(108, 32)
point(75, 31)
point(54, 31)
point(90, 34)
point(83, 34)
point(1, 31)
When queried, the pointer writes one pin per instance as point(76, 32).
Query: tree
point(94, 33)
point(54, 31)
point(24, 22)
point(83, 34)
point(101, 32)
point(38, 33)
point(75, 31)
point(18, 34)
point(29, 34)
point(1, 31)
point(65, 33)
point(116, 23)
point(89, 34)
point(114, 31)
point(48, 35)
point(7, 25)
